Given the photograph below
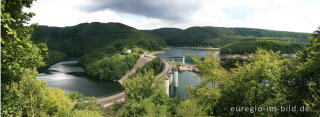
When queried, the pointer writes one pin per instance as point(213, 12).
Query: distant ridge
point(207, 36)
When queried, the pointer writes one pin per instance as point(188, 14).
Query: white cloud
point(287, 15)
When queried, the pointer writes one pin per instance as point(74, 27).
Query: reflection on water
point(185, 78)
point(184, 51)
point(66, 67)
point(71, 77)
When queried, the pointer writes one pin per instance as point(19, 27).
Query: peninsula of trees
point(100, 46)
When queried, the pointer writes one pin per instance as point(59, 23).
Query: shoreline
point(203, 48)
point(246, 56)
point(159, 52)
point(164, 49)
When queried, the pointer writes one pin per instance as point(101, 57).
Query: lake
point(69, 76)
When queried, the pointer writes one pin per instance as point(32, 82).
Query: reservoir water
point(69, 76)
point(185, 78)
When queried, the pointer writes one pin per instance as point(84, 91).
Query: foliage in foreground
point(21, 93)
point(145, 96)
point(265, 80)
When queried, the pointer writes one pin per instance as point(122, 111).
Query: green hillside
point(247, 47)
point(83, 38)
point(100, 46)
point(219, 36)
point(165, 33)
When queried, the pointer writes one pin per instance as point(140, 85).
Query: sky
point(283, 15)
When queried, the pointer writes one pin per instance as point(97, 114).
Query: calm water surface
point(69, 76)
point(185, 78)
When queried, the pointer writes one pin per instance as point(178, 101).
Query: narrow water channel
point(185, 78)
point(69, 76)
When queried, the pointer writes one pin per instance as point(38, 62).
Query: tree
point(207, 92)
point(143, 86)
point(85, 113)
point(145, 96)
point(264, 80)
point(18, 53)
point(308, 74)
point(190, 107)
point(21, 93)
point(19, 59)
point(256, 83)
point(253, 83)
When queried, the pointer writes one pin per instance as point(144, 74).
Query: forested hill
point(83, 38)
point(248, 47)
point(97, 41)
point(219, 36)
point(165, 33)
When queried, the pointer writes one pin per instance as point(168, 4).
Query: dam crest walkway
point(143, 59)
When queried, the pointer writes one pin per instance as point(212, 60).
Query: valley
point(122, 58)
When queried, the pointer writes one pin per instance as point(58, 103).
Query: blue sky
point(237, 12)
point(285, 15)
point(134, 18)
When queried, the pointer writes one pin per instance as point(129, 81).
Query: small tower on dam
point(176, 77)
point(183, 60)
point(167, 83)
